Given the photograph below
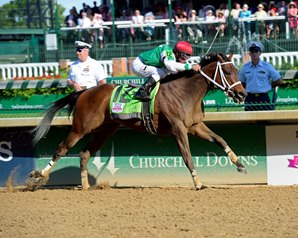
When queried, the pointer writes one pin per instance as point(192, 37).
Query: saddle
point(124, 106)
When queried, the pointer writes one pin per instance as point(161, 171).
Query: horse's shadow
point(69, 176)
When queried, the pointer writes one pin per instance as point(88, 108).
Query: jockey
point(159, 62)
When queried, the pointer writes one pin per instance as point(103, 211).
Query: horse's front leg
point(204, 132)
point(180, 134)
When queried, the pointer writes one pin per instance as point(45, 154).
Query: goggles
point(183, 55)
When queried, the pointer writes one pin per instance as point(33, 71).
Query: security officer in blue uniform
point(258, 77)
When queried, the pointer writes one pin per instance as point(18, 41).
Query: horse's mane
point(212, 57)
point(171, 77)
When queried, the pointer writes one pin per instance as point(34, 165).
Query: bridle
point(226, 87)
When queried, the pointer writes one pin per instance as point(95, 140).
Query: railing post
point(171, 23)
point(113, 23)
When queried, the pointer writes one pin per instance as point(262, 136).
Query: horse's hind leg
point(40, 178)
point(204, 132)
point(99, 137)
point(63, 148)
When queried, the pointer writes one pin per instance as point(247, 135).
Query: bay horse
point(178, 111)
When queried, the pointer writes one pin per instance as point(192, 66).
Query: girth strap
point(148, 118)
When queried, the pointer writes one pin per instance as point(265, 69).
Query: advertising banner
point(36, 102)
point(214, 98)
point(133, 158)
point(218, 98)
point(16, 155)
point(282, 151)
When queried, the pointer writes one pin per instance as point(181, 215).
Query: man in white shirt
point(137, 19)
point(85, 72)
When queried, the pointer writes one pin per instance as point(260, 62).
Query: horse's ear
point(219, 56)
point(230, 56)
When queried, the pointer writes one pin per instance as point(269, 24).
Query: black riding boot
point(143, 92)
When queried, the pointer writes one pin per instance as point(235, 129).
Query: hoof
point(35, 181)
point(86, 188)
point(200, 187)
point(35, 174)
point(242, 170)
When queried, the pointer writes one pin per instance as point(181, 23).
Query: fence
point(11, 71)
point(28, 70)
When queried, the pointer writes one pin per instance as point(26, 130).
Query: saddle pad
point(123, 104)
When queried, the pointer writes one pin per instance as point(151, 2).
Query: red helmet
point(183, 47)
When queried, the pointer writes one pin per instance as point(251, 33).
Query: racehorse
point(178, 111)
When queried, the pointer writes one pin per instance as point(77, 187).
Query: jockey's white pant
point(146, 71)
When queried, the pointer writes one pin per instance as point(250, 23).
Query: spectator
point(202, 13)
point(180, 16)
point(188, 7)
point(149, 29)
point(194, 30)
point(210, 18)
point(106, 14)
point(76, 14)
point(223, 9)
point(99, 32)
point(85, 72)
point(260, 23)
point(160, 11)
point(95, 8)
point(292, 17)
point(235, 16)
point(137, 19)
point(84, 9)
point(245, 25)
point(282, 8)
point(89, 13)
point(256, 78)
point(71, 20)
point(103, 7)
point(272, 26)
point(85, 22)
point(282, 11)
point(123, 33)
point(167, 13)
point(222, 23)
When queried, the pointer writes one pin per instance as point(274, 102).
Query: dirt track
point(151, 212)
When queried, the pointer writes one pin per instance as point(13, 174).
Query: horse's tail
point(44, 126)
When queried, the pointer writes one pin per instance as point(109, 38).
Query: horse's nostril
point(242, 94)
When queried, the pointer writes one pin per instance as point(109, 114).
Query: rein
point(225, 84)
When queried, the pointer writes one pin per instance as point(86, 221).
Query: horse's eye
point(227, 72)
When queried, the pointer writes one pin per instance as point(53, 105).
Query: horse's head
point(219, 69)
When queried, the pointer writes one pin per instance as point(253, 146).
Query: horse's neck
point(192, 89)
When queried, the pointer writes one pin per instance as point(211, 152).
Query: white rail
point(11, 71)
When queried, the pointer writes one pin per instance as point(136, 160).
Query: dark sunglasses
point(79, 50)
point(254, 51)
